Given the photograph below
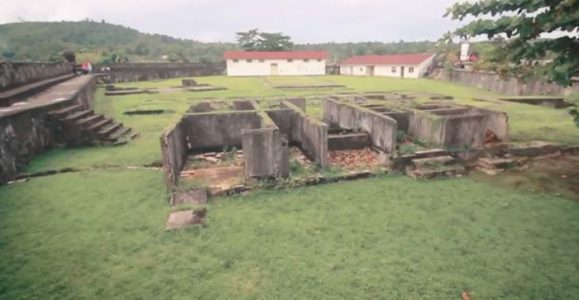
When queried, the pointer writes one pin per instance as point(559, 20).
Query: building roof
point(391, 59)
point(275, 55)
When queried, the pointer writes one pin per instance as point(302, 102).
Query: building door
point(274, 70)
point(402, 72)
point(370, 70)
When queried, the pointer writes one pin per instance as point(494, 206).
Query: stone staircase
point(433, 163)
point(84, 126)
point(496, 165)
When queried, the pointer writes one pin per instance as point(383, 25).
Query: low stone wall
point(152, 71)
point(310, 134)
point(25, 130)
point(16, 74)
point(210, 131)
point(493, 82)
point(381, 129)
point(174, 152)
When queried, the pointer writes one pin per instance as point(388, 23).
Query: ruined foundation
point(232, 144)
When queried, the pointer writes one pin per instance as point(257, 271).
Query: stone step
point(105, 132)
point(66, 110)
point(496, 163)
point(89, 120)
point(433, 161)
point(428, 173)
point(118, 134)
point(430, 153)
point(77, 115)
point(96, 126)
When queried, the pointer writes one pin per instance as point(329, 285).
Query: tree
point(248, 40)
point(274, 42)
point(69, 56)
point(524, 23)
point(253, 40)
point(573, 99)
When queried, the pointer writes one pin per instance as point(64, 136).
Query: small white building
point(275, 63)
point(395, 65)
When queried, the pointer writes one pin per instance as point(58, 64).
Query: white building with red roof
point(275, 63)
point(394, 65)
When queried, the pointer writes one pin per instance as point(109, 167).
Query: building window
point(410, 69)
point(306, 60)
point(262, 60)
point(290, 60)
point(236, 60)
point(319, 60)
point(393, 69)
point(249, 61)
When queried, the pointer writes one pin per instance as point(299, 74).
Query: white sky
point(218, 20)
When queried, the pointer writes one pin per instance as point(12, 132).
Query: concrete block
point(266, 153)
point(188, 82)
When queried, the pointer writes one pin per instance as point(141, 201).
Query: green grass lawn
point(99, 234)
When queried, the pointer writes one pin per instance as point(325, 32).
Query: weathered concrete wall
point(464, 130)
point(380, 128)
point(493, 82)
point(152, 71)
point(348, 141)
point(25, 130)
point(310, 134)
point(201, 107)
point(283, 118)
point(174, 152)
point(243, 105)
point(426, 127)
point(496, 121)
point(15, 74)
point(266, 153)
point(401, 118)
point(300, 102)
point(216, 130)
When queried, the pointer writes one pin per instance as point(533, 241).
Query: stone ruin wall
point(264, 136)
point(381, 129)
point(26, 133)
point(16, 74)
point(493, 82)
point(456, 131)
point(310, 134)
point(130, 72)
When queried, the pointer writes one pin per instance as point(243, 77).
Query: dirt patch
point(558, 176)
point(354, 159)
point(216, 178)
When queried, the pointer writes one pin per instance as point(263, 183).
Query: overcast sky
point(218, 20)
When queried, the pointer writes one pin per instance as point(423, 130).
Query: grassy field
point(99, 234)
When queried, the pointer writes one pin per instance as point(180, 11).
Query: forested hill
point(103, 42)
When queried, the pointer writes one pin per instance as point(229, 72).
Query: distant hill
point(99, 41)
point(103, 42)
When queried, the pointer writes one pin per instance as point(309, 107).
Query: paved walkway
point(59, 93)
